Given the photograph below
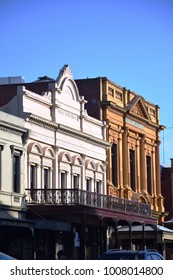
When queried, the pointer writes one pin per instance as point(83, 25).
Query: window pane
point(46, 178)
point(76, 181)
point(64, 180)
point(16, 173)
point(132, 169)
point(148, 165)
point(33, 174)
point(98, 185)
point(114, 164)
point(88, 184)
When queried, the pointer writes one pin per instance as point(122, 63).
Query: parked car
point(149, 254)
point(5, 257)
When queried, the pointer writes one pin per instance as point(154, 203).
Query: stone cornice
point(14, 129)
point(67, 130)
point(42, 122)
point(82, 135)
point(112, 106)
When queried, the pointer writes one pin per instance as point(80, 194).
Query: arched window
point(35, 153)
point(77, 164)
point(65, 161)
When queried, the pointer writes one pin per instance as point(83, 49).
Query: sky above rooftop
point(129, 41)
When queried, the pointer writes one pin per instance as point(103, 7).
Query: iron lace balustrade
point(81, 197)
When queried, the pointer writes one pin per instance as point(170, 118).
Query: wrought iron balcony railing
point(81, 197)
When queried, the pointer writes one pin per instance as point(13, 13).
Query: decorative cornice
point(113, 106)
point(78, 134)
point(12, 129)
point(67, 130)
point(42, 122)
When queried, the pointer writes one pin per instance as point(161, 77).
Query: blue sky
point(128, 41)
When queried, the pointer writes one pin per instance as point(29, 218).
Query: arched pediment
point(100, 167)
point(35, 148)
point(77, 160)
point(64, 157)
point(140, 197)
point(143, 199)
point(66, 84)
point(90, 164)
point(49, 152)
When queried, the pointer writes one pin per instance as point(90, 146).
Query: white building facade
point(64, 164)
point(66, 154)
point(66, 147)
point(13, 139)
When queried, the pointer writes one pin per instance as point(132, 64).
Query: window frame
point(132, 169)
point(114, 157)
point(16, 163)
point(148, 174)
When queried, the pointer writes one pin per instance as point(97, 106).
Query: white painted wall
point(11, 132)
point(57, 119)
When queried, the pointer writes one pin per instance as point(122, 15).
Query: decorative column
point(82, 112)
point(109, 175)
point(29, 174)
point(51, 171)
point(143, 165)
point(158, 183)
point(38, 182)
point(103, 190)
point(83, 175)
point(55, 169)
point(125, 159)
point(138, 189)
point(120, 166)
point(154, 195)
point(42, 173)
point(104, 129)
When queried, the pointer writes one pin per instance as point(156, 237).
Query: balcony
point(81, 197)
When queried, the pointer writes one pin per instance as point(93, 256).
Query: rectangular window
point(33, 181)
point(114, 165)
point(16, 172)
point(46, 178)
point(98, 193)
point(98, 187)
point(76, 181)
point(132, 170)
point(46, 184)
point(33, 176)
point(148, 167)
point(64, 192)
point(119, 95)
point(88, 193)
point(88, 184)
point(111, 91)
point(63, 179)
point(152, 112)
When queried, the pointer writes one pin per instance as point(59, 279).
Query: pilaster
point(143, 165)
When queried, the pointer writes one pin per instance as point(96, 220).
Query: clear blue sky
point(128, 41)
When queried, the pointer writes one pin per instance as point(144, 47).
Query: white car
point(5, 257)
point(148, 254)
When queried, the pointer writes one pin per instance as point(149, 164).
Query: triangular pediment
point(138, 108)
